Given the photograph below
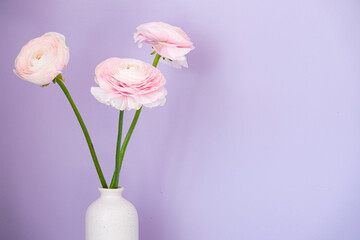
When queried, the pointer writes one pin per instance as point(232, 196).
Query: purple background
point(259, 138)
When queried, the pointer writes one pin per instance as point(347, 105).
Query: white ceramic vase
point(111, 217)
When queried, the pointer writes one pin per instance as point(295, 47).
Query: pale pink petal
point(168, 41)
point(176, 63)
point(128, 84)
point(42, 58)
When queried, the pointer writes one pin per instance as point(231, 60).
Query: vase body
point(111, 217)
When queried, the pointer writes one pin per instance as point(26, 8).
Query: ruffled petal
point(168, 41)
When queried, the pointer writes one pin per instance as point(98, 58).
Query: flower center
point(131, 67)
point(39, 55)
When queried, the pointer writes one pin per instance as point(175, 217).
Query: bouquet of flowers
point(123, 83)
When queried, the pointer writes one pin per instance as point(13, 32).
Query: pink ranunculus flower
point(42, 59)
point(129, 84)
point(168, 41)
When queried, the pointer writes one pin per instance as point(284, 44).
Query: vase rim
point(108, 192)
point(111, 189)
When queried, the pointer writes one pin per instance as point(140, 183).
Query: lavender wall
point(259, 138)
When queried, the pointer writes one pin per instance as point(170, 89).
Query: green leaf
point(45, 85)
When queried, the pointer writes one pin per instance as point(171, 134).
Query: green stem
point(115, 182)
point(115, 178)
point(156, 60)
point(120, 156)
point(59, 80)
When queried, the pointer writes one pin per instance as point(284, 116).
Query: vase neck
point(111, 192)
